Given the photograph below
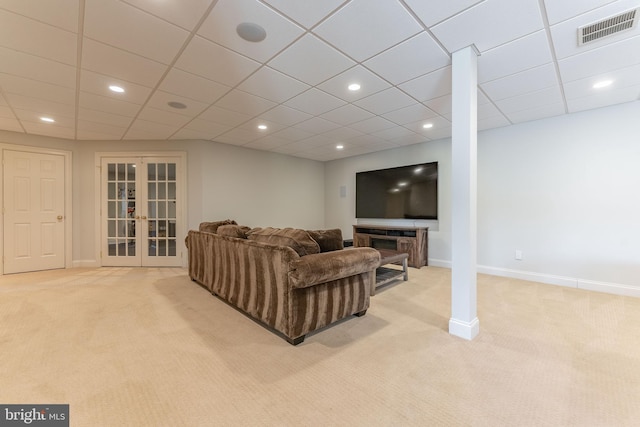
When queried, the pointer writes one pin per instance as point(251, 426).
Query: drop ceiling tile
point(89, 135)
point(487, 110)
point(410, 114)
point(32, 88)
point(489, 24)
point(366, 141)
point(142, 129)
point(441, 105)
point(192, 86)
point(229, 68)
point(347, 114)
point(208, 128)
point(252, 126)
point(93, 130)
point(493, 122)
point(27, 35)
point(317, 125)
point(363, 28)
point(224, 116)
point(537, 113)
point(560, 10)
point(539, 98)
point(94, 116)
point(10, 124)
point(614, 56)
point(237, 136)
point(61, 13)
point(519, 55)
point(293, 134)
point(311, 61)
point(108, 104)
point(98, 84)
point(161, 100)
point(343, 134)
point(273, 85)
point(156, 115)
point(565, 34)
point(306, 12)
point(186, 133)
point(49, 130)
point(412, 139)
point(526, 81)
point(609, 97)
point(137, 31)
point(417, 56)
point(429, 86)
point(621, 79)
point(438, 124)
point(394, 133)
point(220, 27)
point(36, 68)
point(386, 101)
point(185, 13)
point(314, 102)
point(245, 103)
point(40, 107)
point(267, 143)
point(33, 116)
point(107, 60)
point(440, 133)
point(372, 125)
point(5, 111)
point(431, 13)
point(285, 115)
point(369, 84)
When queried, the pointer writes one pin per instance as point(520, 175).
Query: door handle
point(59, 218)
point(143, 217)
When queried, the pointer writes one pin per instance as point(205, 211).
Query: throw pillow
point(212, 227)
point(296, 239)
point(329, 240)
point(232, 230)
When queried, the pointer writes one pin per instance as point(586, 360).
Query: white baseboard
point(569, 282)
point(86, 263)
point(462, 329)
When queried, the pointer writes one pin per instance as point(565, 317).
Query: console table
point(411, 240)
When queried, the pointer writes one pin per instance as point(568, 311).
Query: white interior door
point(34, 202)
point(140, 200)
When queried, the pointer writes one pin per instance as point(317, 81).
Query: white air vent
point(607, 27)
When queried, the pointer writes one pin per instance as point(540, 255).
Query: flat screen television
point(405, 192)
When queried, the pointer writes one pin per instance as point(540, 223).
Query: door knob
point(60, 218)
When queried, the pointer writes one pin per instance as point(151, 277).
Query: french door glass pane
point(121, 209)
point(161, 206)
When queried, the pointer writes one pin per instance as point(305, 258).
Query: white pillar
point(464, 321)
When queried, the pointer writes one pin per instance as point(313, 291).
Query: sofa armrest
point(324, 267)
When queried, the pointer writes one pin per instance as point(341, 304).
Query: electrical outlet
point(518, 254)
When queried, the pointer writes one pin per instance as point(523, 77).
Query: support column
point(464, 321)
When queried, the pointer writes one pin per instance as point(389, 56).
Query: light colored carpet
point(148, 347)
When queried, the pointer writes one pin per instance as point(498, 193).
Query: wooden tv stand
point(412, 240)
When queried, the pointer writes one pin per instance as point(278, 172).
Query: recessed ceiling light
point(262, 127)
point(402, 184)
point(339, 147)
point(353, 87)
point(427, 125)
point(603, 83)
point(176, 104)
point(47, 119)
point(114, 88)
point(251, 32)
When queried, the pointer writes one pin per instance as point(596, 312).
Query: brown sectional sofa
point(286, 279)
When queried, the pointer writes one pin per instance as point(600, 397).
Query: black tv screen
point(406, 192)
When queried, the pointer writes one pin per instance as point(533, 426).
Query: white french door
point(34, 211)
point(141, 211)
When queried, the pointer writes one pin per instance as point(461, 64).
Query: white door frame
point(181, 228)
point(68, 202)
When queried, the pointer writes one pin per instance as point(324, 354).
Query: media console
point(412, 240)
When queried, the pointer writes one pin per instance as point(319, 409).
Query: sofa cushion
point(212, 227)
point(328, 240)
point(296, 239)
point(233, 230)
